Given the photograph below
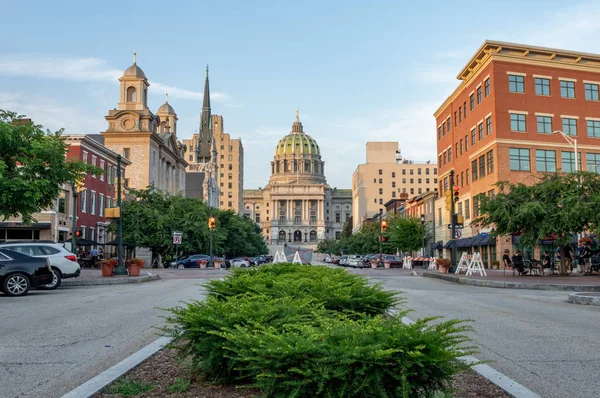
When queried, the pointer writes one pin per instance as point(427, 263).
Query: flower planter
point(201, 263)
point(374, 264)
point(107, 269)
point(134, 270)
point(217, 264)
point(443, 269)
point(387, 264)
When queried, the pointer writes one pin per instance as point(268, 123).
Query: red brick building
point(99, 191)
point(501, 122)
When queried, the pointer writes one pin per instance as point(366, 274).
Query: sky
point(358, 71)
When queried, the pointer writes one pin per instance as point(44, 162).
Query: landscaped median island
point(289, 330)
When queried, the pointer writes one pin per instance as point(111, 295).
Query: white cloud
point(86, 70)
point(53, 115)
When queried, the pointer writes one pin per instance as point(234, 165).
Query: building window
point(412, 180)
point(482, 166)
point(101, 205)
point(393, 194)
point(404, 181)
point(444, 129)
point(256, 217)
point(126, 152)
point(381, 191)
point(411, 171)
point(519, 159)
point(230, 176)
point(568, 162)
point(393, 184)
point(473, 137)
point(93, 203)
point(517, 122)
point(593, 128)
point(412, 191)
point(419, 180)
point(476, 200)
point(569, 126)
point(490, 162)
point(420, 190)
point(404, 172)
point(488, 125)
point(462, 179)
point(516, 84)
point(439, 133)
point(544, 124)
point(472, 101)
point(419, 171)
point(567, 89)
point(448, 124)
point(381, 180)
point(460, 113)
point(478, 95)
point(103, 167)
point(487, 87)
point(456, 149)
point(427, 180)
point(393, 174)
point(545, 160)
point(480, 130)
point(466, 142)
point(474, 168)
point(229, 194)
point(84, 157)
point(455, 118)
point(380, 171)
point(467, 176)
point(465, 109)
point(591, 92)
point(450, 154)
point(83, 200)
point(380, 201)
point(467, 209)
point(338, 216)
point(592, 162)
point(542, 86)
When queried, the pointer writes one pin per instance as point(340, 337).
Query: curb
point(584, 299)
point(104, 379)
point(513, 285)
point(110, 281)
point(507, 384)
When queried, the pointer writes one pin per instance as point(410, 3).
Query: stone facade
point(297, 205)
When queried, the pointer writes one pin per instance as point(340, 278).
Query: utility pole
point(120, 269)
point(453, 218)
point(380, 235)
point(212, 223)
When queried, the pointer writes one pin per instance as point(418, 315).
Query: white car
point(63, 262)
point(239, 262)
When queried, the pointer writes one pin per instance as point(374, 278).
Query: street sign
point(457, 234)
point(177, 238)
point(457, 226)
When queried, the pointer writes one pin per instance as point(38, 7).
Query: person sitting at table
point(517, 261)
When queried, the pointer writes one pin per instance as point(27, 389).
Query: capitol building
point(297, 206)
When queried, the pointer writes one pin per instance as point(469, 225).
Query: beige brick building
point(386, 176)
point(149, 140)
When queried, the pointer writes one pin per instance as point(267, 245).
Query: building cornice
point(90, 143)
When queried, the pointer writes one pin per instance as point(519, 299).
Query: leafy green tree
point(405, 233)
point(33, 167)
point(559, 205)
point(347, 231)
point(329, 246)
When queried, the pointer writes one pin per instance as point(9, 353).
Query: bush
point(336, 289)
point(337, 357)
point(196, 327)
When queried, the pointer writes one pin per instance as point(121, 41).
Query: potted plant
point(443, 265)
point(495, 264)
point(586, 240)
point(217, 262)
point(387, 264)
point(375, 262)
point(108, 266)
point(134, 265)
point(202, 263)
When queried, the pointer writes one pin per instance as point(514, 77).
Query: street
point(50, 342)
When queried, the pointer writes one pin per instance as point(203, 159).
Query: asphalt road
point(50, 342)
point(535, 337)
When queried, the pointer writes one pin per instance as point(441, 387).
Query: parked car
point(354, 261)
point(344, 261)
point(190, 261)
point(395, 261)
point(239, 262)
point(335, 260)
point(327, 259)
point(63, 262)
point(19, 272)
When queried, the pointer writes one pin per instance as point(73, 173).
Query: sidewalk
point(496, 279)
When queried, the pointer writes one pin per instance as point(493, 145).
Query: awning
point(463, 242)
point(487, 240)
point(86, 242)
point(30, 227)
point(448, 245)
point(476, 240)
point(437, 245)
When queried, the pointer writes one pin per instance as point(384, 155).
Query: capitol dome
point(297, 154)
point(134, 71)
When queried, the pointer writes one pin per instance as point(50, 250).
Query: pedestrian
point(94, 257)
point(568, 258)
point(587, 257)
point(517, 260)
point(506, 259)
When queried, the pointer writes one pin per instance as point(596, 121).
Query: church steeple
point(203, 149)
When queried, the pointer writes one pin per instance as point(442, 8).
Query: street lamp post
point(423, 233)
point(380, 235)
point(120, 269)
point(74, 227)
point(573, 142)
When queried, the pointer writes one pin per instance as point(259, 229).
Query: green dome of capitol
point(297, 143)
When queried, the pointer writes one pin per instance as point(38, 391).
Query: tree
point(347, 231)
point(559, 206)
point(329, 246)
point(405, 233)
point(33, 167)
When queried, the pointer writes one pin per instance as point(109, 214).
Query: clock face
point(128, 123)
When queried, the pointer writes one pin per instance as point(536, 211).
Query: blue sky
point(357, 70)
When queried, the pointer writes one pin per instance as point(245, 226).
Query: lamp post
point(573, 143)
point(120, 269)
point(74, 226)
point(380, 235)
point(423, 232)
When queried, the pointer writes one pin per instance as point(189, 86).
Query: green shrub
point(195, 328)
point(336, 289)
point(180, 385)
point(341, 357)
point(128, 388)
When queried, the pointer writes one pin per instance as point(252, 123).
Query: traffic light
point(79, 185)
point(212, 222)
point(383, 225)
point(448, 199)
point(384, 239)
point(456, 193)
point(78, 233)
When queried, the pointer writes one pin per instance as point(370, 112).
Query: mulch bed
point(163, 368)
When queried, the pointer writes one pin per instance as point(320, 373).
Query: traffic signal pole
point(74, 228)
point(120, 269)
point(453, 219)
point(380, 235)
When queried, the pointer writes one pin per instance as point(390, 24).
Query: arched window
point(313, 236)
point(131, 94)
point(281, 236)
